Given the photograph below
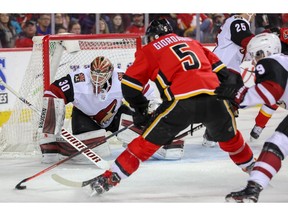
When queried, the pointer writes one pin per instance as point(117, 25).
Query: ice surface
point(198, 182)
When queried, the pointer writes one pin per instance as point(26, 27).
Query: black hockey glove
point(141, 117)
point(232, 92)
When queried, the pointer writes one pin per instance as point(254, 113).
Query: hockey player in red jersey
point(270, 88)
point(96, 95)
point(186, 75)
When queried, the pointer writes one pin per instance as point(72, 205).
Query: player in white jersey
point(266, 111)
point(231, 41)
point(271, 88)
point(96, 95)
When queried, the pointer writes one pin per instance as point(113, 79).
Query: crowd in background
point(17, 30)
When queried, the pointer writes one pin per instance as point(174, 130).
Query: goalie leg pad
point(174, 151)
point(49, 149)
point(88, 138)
point(128, 135)
point(52, 115)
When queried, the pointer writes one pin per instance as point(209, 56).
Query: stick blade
point(66, 182)
point(20, 187)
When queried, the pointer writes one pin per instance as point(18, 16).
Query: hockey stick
point(191, 131)
point(77, 144)
point(126, 123)
point(18, 186)
point(79, 184)
point(21, 187)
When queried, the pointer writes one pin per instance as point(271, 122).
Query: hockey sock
point(267, 166)
point(239, 151)
point(137, 151)
point(264, 115)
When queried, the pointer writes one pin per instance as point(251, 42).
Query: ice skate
point(249, 194)
point(104, 182)
point(208, 143)
point(255, 133)
point(174, 151)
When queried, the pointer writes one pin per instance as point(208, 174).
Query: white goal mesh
point(53, 57)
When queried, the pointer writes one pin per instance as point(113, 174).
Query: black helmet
point(158, 28)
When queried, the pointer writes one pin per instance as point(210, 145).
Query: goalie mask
point(263, 45)
point(101, 71)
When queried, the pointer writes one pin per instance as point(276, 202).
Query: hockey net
point(52, 57)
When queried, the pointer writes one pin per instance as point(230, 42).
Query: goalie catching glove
point(232, 92)
point(52, 115)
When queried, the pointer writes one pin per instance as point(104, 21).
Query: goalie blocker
point(174, 151)
point(52, 115)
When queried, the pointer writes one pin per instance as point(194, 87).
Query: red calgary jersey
point(180, 67)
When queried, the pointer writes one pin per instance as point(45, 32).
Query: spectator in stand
point(267, 21)
point(87, 21)
point(25, 37)
point(61, 20)
point(206, 28)
point(261, 20)
point(15, 24)
point(187, 23)
point(137, 25)
point(23, 18)
point(218, 20)
point(285, 20)
point(126, 20)
point(60, 29)
point(74, 17)
point(8, 33)
point(44, 27)
point(103, 27)
point(117, 24)
point(74, 27)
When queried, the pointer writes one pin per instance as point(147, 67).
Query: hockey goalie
point(96, 96)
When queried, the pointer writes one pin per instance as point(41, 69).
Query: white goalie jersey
point(78, 89)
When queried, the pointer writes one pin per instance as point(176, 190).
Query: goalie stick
point(76, 143)
point(79, 184)
point(21, 187)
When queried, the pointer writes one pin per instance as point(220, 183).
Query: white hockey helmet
point(263, 45)
point(101, 70)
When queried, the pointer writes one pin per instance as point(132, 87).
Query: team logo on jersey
point(79, 78)
point(284, 35)
point(106, 114)
point(120, 75)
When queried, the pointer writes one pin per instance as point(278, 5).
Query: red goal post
point(52, 57)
